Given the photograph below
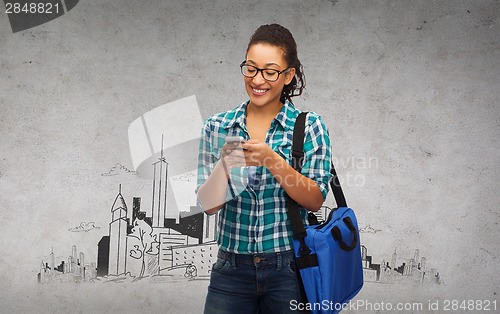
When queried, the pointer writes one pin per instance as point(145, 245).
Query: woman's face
point(261, 92)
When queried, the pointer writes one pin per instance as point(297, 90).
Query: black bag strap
point(337, 235)
point(299, 232)
point(297, 156)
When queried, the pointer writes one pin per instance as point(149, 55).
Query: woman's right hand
point(232, 156)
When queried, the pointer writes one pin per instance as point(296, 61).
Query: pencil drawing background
point(412, 84)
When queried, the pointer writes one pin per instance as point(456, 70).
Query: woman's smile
point(259, 92)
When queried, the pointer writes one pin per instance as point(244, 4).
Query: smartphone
point(232, 139)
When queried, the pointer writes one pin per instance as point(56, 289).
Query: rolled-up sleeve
point(206, 160)
point(317, 153)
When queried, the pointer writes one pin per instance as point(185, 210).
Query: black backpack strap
point(299, 232)
point(337, 189)
point(298, 229)
point(298, 141)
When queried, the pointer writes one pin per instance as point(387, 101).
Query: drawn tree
point(147, 243)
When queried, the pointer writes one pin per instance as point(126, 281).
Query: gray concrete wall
point(408, 90)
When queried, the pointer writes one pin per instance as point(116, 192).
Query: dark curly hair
point(277, 35)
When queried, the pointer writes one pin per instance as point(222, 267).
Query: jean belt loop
point(233, 260)
point(278, 261)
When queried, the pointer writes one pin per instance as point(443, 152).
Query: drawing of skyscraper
point(136, 208)
point(82, 265)
point(52, 260)
point(69, 267)
point(118, 236)
point(73, 254)
point(393, 261)
point(364, 252)
point(103, 256)
point(159, 203)
point(209, 227)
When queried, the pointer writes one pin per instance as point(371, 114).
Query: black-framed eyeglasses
point(270, 75)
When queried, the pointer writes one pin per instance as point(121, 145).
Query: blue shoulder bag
point(327, 255)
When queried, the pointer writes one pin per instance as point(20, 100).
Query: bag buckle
point(304, 250)
point(297, 153)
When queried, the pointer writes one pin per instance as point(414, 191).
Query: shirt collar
point(238, 116)
point(284, 116)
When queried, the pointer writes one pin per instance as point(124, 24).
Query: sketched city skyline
point(147, 242)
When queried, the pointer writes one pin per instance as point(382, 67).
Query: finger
point(237, 153)
point(251, 154)
point(235, 159)
point(252, 159)
point(229, 148)
point(247, 146)
point(234, 156)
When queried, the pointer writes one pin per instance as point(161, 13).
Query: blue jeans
point(260, 283)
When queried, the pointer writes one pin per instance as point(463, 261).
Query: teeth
point(259, 90)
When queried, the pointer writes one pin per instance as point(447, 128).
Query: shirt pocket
point(284, 149)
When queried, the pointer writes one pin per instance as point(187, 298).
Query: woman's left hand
point(257, 153)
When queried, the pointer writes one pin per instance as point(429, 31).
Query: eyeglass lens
point(251, 71)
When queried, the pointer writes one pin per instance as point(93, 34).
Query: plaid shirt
point(254, 218)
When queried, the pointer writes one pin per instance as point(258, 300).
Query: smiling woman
point(266, 89)
point(255, 269)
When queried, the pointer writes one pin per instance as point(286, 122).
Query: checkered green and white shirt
point(254, 219)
